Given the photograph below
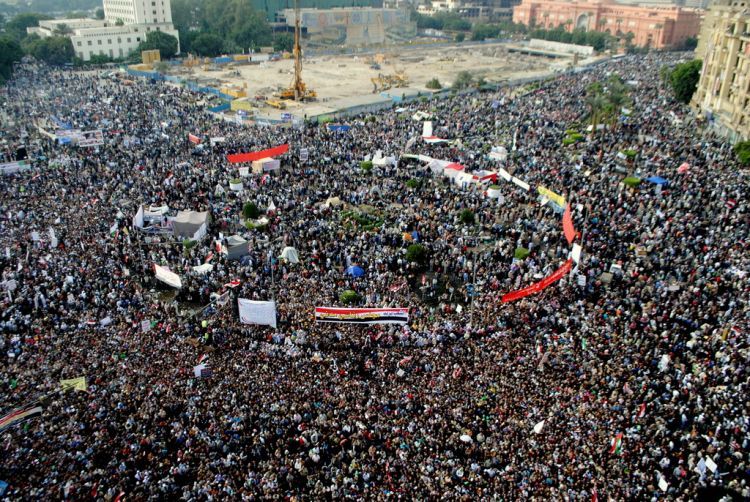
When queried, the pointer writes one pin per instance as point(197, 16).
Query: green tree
point(119, 22)
point(10, 52)
point(467, 217)
point(51, 50)
point(250, 211)
point(416, 253)
point(207, 44)
point(742, 150)
point(99, 14)
point(460, 37)
point(463, 80)
point(62, 29)
point(684, 79)
point(433, 84)
point(164, 42)
point(283, 42)
point(596, 103)
point(16, 27)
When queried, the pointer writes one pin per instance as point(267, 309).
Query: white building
point(139, 11)
point(126, 24)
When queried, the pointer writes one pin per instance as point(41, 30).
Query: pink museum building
point(657, 27)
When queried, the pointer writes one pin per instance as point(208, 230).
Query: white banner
point(254, 312)
point(167, 276)
point(520, 183)
point(91, 138)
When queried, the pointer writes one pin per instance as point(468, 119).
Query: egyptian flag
point(616, 445)
point(232, 284)
point(194, 139)
point(641, 410)
point(731, 203)
point(19, 415)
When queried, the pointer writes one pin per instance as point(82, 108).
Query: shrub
point(630, 154)
point(250, 211)
point(188, 244)
point(234, 181)
point(434, 84)
point(568, 141)
point(251, 225)
point(521, 253)
point(412, 183)
point(366, 165)
point(466, 217)
point(495, 187)
point(348, 297)
point(416, 253)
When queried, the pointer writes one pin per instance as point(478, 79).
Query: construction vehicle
point(385, 82)
point(276, 104)
point(298, 90)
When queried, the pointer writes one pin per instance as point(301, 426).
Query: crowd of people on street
point(623, 380)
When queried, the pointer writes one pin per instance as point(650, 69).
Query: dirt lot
point(334, 77)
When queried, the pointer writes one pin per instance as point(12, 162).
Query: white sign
point(91, 138)
point(254, 312)
point(303, 154)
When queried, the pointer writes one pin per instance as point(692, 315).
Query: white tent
point(190, 225)
point(290, 255)
point(265, 165)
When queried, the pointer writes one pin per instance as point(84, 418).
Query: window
point(109, 41)
point(89, 42)
point(99, 42)
point(79, 43)
point(137, 39)
point(128, 39)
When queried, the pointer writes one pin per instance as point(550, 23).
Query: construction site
point(333, 80)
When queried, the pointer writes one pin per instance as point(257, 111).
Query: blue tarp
point(339, 127)
point(355, 271)
point(657, 180)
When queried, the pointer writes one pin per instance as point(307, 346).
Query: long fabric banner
point(254, 312)
point(362, 316)
point(167, 276)
point(249, 157)
point(539, 286)
point(568, 229)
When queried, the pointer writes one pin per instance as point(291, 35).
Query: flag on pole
point(616, 445)
point(538, 427)
point(74, 383)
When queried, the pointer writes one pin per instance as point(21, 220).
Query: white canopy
point(290, 254)
point(190, 224)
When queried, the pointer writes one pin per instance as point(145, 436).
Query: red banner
point(249, 157)
point(194, 139)
point(539, 286)
point(568, 229)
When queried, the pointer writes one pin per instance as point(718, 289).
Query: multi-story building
point(139, 11)
point(656, 27)
point(126, 24)
point(723, 93)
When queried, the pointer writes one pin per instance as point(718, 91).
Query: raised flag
point(194, 139)
point(74, 383)
point(616, 445)
point(538, 427)
point(641, 410)
point(232, 284)
point(262, 154)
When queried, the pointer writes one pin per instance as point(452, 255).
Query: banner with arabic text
point(539, 286)
point(362, 316)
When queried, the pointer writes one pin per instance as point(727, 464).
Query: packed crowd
point(473, 399)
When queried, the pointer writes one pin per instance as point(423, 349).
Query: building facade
point(139, 11)
point(126, 24)
point(353, 26)
point(723, 93)
point(657, 27)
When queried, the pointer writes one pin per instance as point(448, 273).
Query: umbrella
point(355, 271)
point(657, 180)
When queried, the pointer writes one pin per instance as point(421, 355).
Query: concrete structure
point(723, 93)
point(108, 37)
point(656, 27)
point(354, 26)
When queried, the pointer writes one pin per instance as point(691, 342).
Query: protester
point(473, 399)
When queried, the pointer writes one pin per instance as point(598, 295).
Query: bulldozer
point(276, 104)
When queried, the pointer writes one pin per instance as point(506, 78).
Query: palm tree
point(597, 103)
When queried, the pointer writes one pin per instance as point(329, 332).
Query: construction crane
point(298, 90)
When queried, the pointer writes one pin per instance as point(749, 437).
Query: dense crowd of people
point(623, 380)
